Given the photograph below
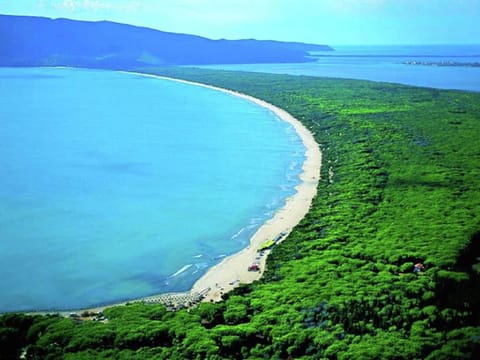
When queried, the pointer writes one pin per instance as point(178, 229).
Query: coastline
point(233, 270)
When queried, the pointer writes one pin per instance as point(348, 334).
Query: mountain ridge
point(41, 41)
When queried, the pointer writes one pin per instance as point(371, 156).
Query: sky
point(332, 22)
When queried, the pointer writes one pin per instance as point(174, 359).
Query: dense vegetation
point(405, 189)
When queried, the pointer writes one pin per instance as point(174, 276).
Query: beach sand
point(233, 270)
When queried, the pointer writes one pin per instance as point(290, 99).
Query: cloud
point(218, 11)
point(357, 6)
point(73, 6)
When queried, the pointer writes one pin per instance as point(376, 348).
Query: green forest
point(405, 189)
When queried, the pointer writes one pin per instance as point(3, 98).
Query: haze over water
point(115, 186)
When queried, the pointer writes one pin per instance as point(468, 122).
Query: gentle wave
point(182, 270)
point(237, 234)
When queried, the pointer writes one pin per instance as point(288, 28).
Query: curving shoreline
point(233, 270)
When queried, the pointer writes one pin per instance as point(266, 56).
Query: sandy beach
point(233, 270)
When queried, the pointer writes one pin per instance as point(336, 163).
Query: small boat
point(266, 245)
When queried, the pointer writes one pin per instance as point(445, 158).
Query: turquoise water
point(115, 186)
point(387, 64)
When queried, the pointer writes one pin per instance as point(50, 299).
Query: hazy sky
point(333, 22)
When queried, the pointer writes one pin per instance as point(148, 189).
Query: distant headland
point(39, 41)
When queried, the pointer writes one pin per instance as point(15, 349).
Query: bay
point(115, 186)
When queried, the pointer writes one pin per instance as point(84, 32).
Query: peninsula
point(394, 192)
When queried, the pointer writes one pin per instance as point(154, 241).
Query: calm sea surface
point(388, 64)
point(115, 186)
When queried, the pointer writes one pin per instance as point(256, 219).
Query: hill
point(38, 41)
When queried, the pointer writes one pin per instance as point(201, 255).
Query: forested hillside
point(400, 186)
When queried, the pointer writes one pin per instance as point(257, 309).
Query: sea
point(115, 186)
point(432, 66)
